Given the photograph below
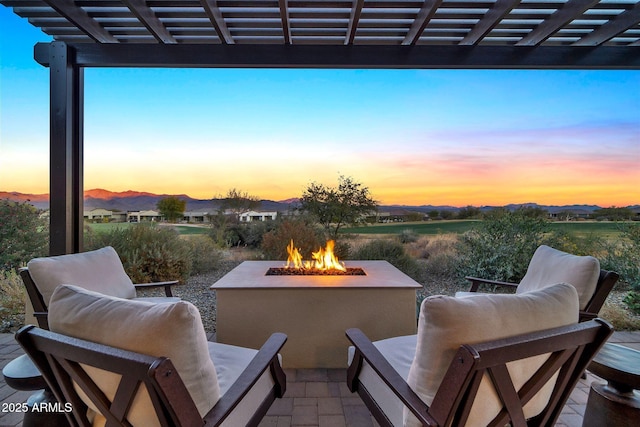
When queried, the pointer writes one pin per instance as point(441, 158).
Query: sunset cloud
point(441, 137)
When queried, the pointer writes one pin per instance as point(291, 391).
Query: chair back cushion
point(549, 266)
point(446, 323)
point(173, 330)
point(100, 270)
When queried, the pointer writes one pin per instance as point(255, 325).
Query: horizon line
point(150, 194)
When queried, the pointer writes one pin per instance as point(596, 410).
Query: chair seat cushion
point(100, 270)
point(549, 266)
point(446, 323)
point(399, 352)
point(173, 330)
point(230, 361)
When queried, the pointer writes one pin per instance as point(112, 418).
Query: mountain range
point(139, 200)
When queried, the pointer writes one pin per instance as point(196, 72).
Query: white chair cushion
point(100, 270)
point(446, 323)
point(399, 352)
point(230, 361)
point(173, 330)
point(549, 266)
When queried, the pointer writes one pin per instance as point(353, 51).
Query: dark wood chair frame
point(606, 281)
point(40, 310)
point(59, 358)
point(572, 348)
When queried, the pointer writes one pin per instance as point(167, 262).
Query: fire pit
point(314, 310)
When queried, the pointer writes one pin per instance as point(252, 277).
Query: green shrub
point(248, 234)
point(306, 237)
point(623, 256)
point(632, 300)
point(391, 251)
point(24, 234)
point(149, 253)
point(501, 246)
point(205, 254)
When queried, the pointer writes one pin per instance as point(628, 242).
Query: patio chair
point(118, 362)
point(549, 266)
point(486, 360)
point(100, 270)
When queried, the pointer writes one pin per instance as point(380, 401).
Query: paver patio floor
point(317, 397)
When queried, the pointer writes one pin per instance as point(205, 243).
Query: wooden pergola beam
point(570, 11)
point(354, 18)
point(286, 24)
point(149, 19)
point(78, 17)
point(217, 20)
point(611, 29)
point(423, 17)
point(351, 56)
point(489, 21)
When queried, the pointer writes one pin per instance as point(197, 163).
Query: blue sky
point(412, 136)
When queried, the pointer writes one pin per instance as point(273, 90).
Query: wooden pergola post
point(66, 150)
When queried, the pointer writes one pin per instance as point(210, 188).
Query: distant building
point(98, 214)
point(257, 216)
point(570, 214)
point(196, 217)
point(143, 216)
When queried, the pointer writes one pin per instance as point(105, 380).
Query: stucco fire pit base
point(314, 311)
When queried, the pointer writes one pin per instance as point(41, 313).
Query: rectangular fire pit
point(314, 311)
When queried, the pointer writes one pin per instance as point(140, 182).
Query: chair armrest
point(43, 319)
point(365, 350)
point(585, 316)
point(267, 358)
point(167, 286)
point(476, 282)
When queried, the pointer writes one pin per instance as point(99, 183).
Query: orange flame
point(295, 257)
point(324, 259)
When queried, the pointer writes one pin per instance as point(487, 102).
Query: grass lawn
point(182, 229)
point(578, 228)
point(431, 227)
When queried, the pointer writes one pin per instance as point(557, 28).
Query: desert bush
point(12, 293)
point(12, 301)
point(24, 234)
point(407, 236)
point(620, 318)
point(573, 244)
point(391, 251)
point(501, 246)
point(250, 234)
point(205, 254)
point(440, 254)
point(149, 253)
point(306, 237)
point(623, 255)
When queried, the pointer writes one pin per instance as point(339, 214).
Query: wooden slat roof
point(338, 22)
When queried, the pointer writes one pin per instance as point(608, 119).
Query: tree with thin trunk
point(334, 208)
point(238, 202)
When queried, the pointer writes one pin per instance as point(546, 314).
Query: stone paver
point(316, 397)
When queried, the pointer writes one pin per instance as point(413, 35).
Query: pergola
point(458, 34)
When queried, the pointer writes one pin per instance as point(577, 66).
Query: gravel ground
point(197, 291)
